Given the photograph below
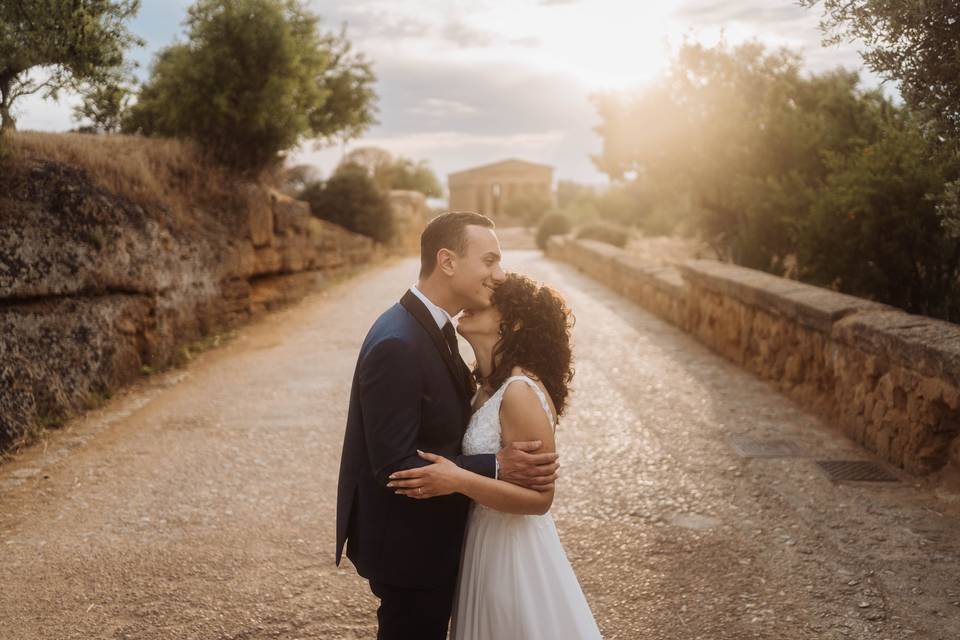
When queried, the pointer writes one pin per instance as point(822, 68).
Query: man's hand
point(538, 471)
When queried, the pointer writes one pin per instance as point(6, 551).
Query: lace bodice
point(483, 432)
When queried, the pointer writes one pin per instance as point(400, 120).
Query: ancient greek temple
point(488, 188)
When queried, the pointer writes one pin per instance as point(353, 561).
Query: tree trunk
point(7, 121)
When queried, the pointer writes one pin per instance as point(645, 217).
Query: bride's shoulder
point(520, 371)
point(522, 398)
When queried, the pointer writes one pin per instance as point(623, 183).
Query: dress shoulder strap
point(539, 392)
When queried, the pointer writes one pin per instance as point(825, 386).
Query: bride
point(515, 580)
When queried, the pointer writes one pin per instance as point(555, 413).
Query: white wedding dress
point(515, 580)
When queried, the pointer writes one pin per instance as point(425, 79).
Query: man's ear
point(446, 261)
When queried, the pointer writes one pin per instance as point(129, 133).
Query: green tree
point(254, 78)
point(47, 46)
point(914, 44)
point(352, 199)
point(104, 107)
point(416, 176)
point(873, 232)
point(570, 192)
point(390, 172)
point(742, 132)
point(528, 207)
point(295, 179)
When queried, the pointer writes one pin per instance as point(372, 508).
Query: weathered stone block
point(289, 214)
point(259, 217)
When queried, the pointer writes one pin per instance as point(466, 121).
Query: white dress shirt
point(439, 313)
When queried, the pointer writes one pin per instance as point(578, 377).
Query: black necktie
point(451, 336)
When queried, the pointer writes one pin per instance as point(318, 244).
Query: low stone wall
point(889, 379)
point(95, 289)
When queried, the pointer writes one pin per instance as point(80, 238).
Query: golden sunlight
point(606, 44)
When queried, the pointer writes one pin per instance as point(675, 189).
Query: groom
point(412, 390)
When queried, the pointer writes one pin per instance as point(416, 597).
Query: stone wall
point(95, 289)
point(889, 379)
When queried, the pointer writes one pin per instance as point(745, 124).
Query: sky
point(462, 84)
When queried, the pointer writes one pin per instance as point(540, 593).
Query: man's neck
point(484, 354)
point(436, 293)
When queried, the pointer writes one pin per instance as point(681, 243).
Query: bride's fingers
point(409, 474)
point(405, 484)
point(432, 457)
point(412, 493)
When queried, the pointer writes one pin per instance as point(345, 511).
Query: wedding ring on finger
point(419, 491)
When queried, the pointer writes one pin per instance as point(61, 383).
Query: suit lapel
point(412, 303)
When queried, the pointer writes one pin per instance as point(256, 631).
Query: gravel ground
point(200, 503)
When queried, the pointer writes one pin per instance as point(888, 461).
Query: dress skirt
point(516, 582)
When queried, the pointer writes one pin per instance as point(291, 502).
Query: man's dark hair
point(447, 231)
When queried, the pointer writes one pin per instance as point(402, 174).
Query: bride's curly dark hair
point(535, 335)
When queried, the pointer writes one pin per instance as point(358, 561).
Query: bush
point(528, 208)
point(874, 231)
point(555, 224)
point(391, 172)
point(351, 199)
point(254, 78)
point(611, 234)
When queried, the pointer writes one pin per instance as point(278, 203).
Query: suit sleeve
point(391, 386)
point(483, 464)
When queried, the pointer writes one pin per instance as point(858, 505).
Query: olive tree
point(47, 46)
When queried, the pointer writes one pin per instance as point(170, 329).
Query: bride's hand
point(438, 479)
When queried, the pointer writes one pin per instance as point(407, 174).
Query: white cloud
point(440, 108)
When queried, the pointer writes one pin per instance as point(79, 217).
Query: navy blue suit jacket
point(408, 393)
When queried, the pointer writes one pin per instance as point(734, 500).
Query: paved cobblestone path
point(200, 503)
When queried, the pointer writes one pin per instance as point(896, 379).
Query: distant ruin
point(488, 188)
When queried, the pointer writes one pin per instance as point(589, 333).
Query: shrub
point(351, 199)
point(528, 208)
point(602, 232)
point(554, 224)
point(874, 231)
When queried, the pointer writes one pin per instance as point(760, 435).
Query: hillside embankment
point(120, 254)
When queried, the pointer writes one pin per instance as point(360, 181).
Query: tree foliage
point(352, 199)
point(743, 133)
point(527, 207)
point(873, 230)
point(780, 165)
point(389, 172)
point(914, 44)
point(48, 45)
point(103, 108)
point(253, 79)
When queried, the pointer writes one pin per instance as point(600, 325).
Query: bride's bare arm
point(521, 418)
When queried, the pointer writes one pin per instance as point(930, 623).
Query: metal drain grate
point(752, 448)
point(856, 470)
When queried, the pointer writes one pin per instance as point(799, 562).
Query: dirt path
point(201, 504)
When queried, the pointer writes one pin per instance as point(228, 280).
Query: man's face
point(478, 272)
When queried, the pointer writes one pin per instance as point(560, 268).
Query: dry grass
point(147, 171)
